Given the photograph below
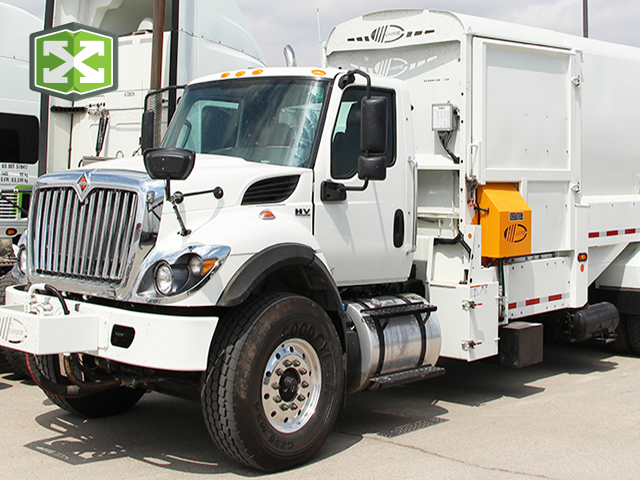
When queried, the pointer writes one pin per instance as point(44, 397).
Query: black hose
point(452, 241)
point(53, 291)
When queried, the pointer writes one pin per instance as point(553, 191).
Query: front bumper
point(166, 342)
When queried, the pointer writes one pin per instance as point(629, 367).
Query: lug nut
point(296, 363)
point(287, 363)
point(301, 398)
point(284, 407)
point(302, 371)
point(305, 384)
point(279, 372)
point(294, 406)
point(275, 385)
point(277, 399)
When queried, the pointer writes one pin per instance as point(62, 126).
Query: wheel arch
point(279, 267)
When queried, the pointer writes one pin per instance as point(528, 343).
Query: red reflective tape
point(594, 234)
point(611, 233)
point(630, 231)
point(553, 298)
point(512, 305)
point(533, 301)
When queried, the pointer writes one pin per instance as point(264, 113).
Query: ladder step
point(407, 376)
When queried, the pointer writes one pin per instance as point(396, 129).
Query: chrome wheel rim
point(291, 385)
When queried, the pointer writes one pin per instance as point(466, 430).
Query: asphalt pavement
point(575, 416)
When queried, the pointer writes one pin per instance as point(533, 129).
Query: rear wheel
point(623, 343)
point(102, 404)
point(274, 383)
point(632, 332)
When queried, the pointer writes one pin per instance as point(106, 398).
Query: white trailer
point(19, 112)
point(307, 233)
point(200, 37)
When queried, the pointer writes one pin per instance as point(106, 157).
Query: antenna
point(318, 16)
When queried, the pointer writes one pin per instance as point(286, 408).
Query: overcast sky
point(277, 23)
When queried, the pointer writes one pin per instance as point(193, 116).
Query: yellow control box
point(505, 218)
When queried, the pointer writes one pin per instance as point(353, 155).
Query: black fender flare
point(255, 270)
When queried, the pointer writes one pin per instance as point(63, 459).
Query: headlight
point(164, 279)
point(195, 265)
point(22, 260)
point(181, 271)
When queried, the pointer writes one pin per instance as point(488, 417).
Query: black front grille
point(271, 190)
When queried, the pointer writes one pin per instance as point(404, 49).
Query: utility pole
point(585, 19)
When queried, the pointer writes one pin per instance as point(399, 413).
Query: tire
point(623, 343)
point(6, 281)
point(632, 325)
point(282, 339)
point(101, 404)
point(17, 362)
point(11, 360)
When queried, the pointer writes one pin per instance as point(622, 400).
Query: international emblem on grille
point(83, 186)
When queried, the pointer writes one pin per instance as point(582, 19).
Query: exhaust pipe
point(289, 56)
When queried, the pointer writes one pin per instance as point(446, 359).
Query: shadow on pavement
point(396, 411)
point(169, 433)
point(162, 431)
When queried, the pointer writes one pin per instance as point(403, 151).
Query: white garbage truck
point(444, 186)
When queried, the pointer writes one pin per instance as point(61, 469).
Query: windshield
point(266, 120)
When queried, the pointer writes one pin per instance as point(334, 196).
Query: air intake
point(271, 190)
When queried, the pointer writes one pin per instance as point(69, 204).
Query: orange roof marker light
point(225, 75)
point(318, 72)
point(240, 73)
point(257, 72)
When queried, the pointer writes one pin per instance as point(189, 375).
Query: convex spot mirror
point(169, 163)
point(372, 168)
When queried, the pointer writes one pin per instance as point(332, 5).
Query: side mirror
point(372, 168)
point(146, 138)
point(169, 163)
point(374, 126)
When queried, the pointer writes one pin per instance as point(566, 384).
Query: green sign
point(73, 61)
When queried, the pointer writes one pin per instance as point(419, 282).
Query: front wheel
point(274, 383)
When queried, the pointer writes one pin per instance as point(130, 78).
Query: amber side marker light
point(582, 257)
point(11, 232)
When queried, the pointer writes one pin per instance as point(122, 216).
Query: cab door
point(366, 237)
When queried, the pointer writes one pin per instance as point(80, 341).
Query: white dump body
point(554, 114)
point(211, 37)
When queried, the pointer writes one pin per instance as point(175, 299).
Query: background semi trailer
point(200, 37)
point(306, 233)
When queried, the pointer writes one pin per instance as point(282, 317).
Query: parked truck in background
point(19, 111)
point(200, 37)
point(444, 185)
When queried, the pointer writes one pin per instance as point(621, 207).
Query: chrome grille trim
point(99, 249)
point(88, 238)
